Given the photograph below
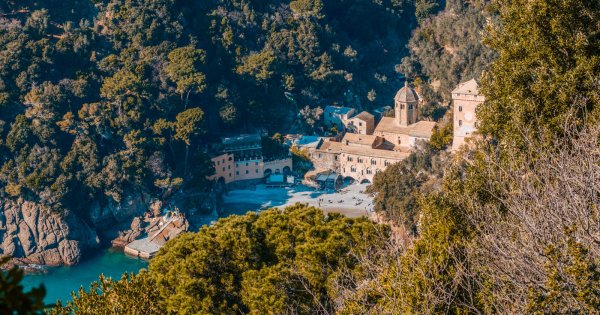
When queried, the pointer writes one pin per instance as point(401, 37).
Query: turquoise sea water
point(61, 281)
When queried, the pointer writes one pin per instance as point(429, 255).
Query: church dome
point(406, 95)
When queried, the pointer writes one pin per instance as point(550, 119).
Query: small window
point(247, 164)
point(401, 106)
point(349, 159)
point(410, 106)
point(256, 170)
point(247, 172)
point(237, 173)
point(353, 169)
point(460, 122)
point(399, 140)
point(336, 157)
point(320, 155)
point(223, 168)
point(373, 162)
point(460, 108)
point(360, 124)
point(386, 163)
point(228, 167)
point(360, 160)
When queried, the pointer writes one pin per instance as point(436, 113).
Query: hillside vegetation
point(99, 99)
point(509, 225)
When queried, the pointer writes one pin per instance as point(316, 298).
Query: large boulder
point(35, 234)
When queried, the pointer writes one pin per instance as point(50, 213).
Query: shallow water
point(61, 281)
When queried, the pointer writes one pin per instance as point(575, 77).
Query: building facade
point(363, 123)
point(357, 156)
point(371, 149)
point(241, 159)
point(465, 98)
point(405, 128)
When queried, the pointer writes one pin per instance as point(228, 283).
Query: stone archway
point(268, 172)
point(348, 180)
point(365, 181)
point(287, 170)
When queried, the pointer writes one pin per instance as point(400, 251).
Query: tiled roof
point(365, 116)
point(406, 95)
point(470, 87)
point(339, 147)
point(241, 139)
point(421, 129)
point(359, 139)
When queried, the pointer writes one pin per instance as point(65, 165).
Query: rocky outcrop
point(133, 205)
point(113, 220)
point(32, 233)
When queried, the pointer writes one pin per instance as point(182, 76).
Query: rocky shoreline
point(36, 237)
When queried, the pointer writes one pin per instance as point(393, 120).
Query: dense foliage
point(447, 47)
point(275, 262)
point(514, 227)
point(400, 186)
point(509, 225)
point(547, 70)
point(102, 98)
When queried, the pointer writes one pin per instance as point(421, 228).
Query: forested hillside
point(509, 225)
point(101, 98)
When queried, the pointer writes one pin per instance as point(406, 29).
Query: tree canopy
point(276, 261)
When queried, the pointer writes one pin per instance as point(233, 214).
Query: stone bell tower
point(406, 104)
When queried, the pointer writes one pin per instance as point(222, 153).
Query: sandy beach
point(350, 201)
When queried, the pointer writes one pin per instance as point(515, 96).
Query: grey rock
point(34, 234)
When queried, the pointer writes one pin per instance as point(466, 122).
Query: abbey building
point(366, 148)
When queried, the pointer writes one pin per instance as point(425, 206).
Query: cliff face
point(31, 233)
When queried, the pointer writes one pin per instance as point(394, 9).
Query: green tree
point(187, 125)
point(547, 66)
point(184, 68)
point(273, 262)
point(442, 138)
point(132, 294)
point(13, 298)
